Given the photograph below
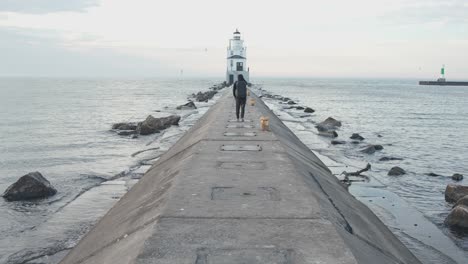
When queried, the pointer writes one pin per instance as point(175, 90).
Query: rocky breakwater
point(458, 217)
point(30, 186)
point(213, 90)
point(149, 126)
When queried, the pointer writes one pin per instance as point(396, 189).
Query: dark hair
point(240, 77)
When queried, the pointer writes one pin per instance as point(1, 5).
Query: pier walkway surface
point(228, 193)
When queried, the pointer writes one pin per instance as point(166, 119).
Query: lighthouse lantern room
point(236, 59)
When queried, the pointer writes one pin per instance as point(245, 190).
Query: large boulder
point(389, 158)
point(189, 105)
point(371, 149)
point(458, 217)
point(396, 171)
point(331, 134)
point(309, 110)
point(457, 177)
point(125, 126)
point(454, 192)
point(338, 142)
point(329, 124)
point(30, 186)
point(462, 201)
point(154, 125)
point(356, 136)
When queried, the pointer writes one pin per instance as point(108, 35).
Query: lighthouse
point(236, 59)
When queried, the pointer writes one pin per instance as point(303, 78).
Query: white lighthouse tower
point(236, 59)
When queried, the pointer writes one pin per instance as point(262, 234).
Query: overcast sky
point(295, 38)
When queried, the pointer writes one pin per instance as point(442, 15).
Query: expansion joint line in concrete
point(239, 218)
point(239, 139)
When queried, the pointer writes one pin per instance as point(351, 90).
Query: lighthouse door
point(240, 66)
point(231, 78)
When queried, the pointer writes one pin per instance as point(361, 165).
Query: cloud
point(40, 53)
point(45, 6)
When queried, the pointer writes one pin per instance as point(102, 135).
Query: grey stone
point(332, 134)
point(189, 105)
point(204, 96)
point(396, 171)
point(338, 142)
point(370, 149)
point(154, 125)
point(328, 124)
point(458, 217)
point(462, 201)
point(299, 108)
point(30, 186)
point(291, 103)
point(125, 126)
point(127, 132)
point(454, 192)
point(309, 110)
point(389, 158)
point(457, 177)
point(433, 174)
point(356, 136)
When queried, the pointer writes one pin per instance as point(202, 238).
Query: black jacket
point(239, 89)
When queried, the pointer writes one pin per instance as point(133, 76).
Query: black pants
point(240, 105)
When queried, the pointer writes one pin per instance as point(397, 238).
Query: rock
point(396, 171)
point(433, 174)
point(127, 132)
point(331, 134)
point(153, 125)
point(30, 186)
point(356, 136)
point(291, 103)
point(285, 99)
point(204, 96)
point(338, 142)
point(189, 105)
point(355, 142)
point(458, 217)
point(457, 177)
point(462, 201)
point(125, 126)
point(329, 124)
point(389, 158)
point(371, 149)
point(454, 192)
point(300, 108)
point(309, 110)
point(378, 147)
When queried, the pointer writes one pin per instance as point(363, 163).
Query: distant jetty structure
point(236, 59)
point(442, 81)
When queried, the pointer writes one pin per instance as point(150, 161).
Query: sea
point(62, 128)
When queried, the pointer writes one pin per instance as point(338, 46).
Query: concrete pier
point(228, 193)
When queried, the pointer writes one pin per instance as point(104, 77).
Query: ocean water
point(61, 127)
point(426, 126)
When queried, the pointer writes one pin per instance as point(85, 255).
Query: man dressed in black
point(240, 94)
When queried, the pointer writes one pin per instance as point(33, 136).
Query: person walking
point(239, 91)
